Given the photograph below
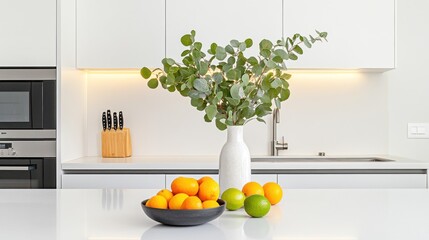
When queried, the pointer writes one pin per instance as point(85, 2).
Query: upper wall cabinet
point(27, 33)
point(222, 20)
point(361, 34)
point(120, 34)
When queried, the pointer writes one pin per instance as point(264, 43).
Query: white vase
point(234, 160)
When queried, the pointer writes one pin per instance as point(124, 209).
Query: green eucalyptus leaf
point(186, 40)
point(270, 63)
point(229, 49)
point(198, 45)
point(231, 60)
point(298, 50)
point(206, 118)
point(213, 47)
point(232, 101)
point(242, 46)
point(220, 53)
point(153, 83)
point(286, 76)
point(204, 67)
point(281, 53)
point(217, 77)
point(245, 78)
point(249, 43)
point(261, 120)
point(277, 59)
point(221, 126)
point(184, 53)
point(211, 111)
point(201, 85)
point(293, 56)
point(193, 33)
point(237, 91)
point(276, 83)
point(231, 74)
point(252, 61)
point(284, 94)
point(170, 61)
point(265, 53)
point(197, 102)
point(306, 42)
point(171, 88)
point(234, 43)
point(265, 44)
point(145, 72)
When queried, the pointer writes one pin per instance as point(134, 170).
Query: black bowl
point(184, 217)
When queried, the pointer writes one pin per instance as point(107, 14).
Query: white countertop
point(211, 162)
point(302, 215)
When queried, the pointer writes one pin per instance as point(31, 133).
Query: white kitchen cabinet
point(361, 34)
point(120, 34)
point(221, 21)
point(129, 181)
point(338, 181)
point(170, 177)
point(28, 33)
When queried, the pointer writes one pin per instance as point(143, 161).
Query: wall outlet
point(418, 130)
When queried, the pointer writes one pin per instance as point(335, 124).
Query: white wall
point(339, 113)
point(72, 85)
point(409, 82)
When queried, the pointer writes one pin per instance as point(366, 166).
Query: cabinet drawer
point(308, 181)
point(131, 181)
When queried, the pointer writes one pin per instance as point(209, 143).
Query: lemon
point(234, 198)
point(257, 206)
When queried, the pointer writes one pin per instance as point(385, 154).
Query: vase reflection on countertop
point(112, 199)
point(205, 231)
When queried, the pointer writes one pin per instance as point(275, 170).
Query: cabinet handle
point(16, 168)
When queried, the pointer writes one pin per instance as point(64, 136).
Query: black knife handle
point(109, 120)
point(121, 120)
point(115, 121)
point(103, 119)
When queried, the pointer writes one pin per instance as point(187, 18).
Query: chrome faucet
point(276, 145)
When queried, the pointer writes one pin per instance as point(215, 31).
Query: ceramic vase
point(234, 160)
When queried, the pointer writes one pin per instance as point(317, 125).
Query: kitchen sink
point(319, 159)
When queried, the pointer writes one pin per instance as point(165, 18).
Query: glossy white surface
point(303, 214)
point(211, 162)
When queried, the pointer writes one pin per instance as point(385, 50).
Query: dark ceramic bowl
point(184, 217)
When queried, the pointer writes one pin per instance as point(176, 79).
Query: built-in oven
point(28, 161)
point(27, 128)
point(28, 98)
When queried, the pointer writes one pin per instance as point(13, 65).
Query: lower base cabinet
point(129, 181)
point(338, 181)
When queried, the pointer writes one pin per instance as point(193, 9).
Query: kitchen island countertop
point(116, 214)
point(211, 163)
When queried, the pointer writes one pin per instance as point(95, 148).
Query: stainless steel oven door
point(21, 173)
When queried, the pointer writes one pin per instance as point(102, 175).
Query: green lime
point(234, 198)
point(257, 205)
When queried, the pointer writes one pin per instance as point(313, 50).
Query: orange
point(165, 193)
point(210, 204)
point(203, 179)
point(157, 202)
point(185, 185)
point(273, 192)
point(209, 190)
point(177, 200)
point(251, 188)
point(192, 203)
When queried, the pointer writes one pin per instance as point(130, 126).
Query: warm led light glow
point(112, 71)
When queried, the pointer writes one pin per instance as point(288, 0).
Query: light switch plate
point(418, 130)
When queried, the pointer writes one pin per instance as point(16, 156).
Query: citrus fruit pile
point(187, 194)
point(256, 199)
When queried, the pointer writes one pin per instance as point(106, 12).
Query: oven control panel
point(6, 150)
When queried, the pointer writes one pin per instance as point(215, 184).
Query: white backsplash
point(338, 113)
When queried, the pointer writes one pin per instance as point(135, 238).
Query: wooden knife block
point(116, 143)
